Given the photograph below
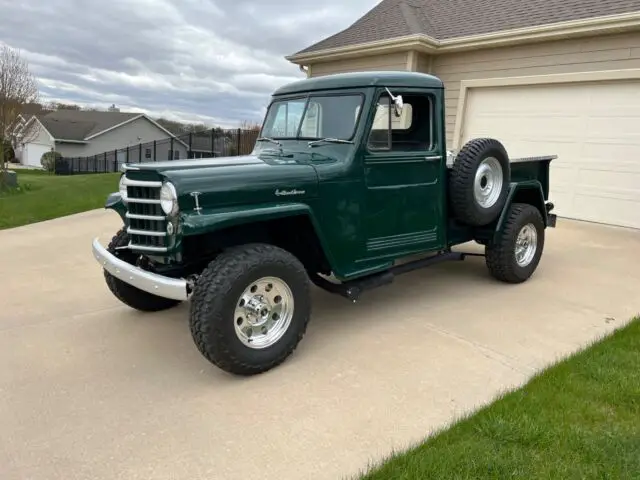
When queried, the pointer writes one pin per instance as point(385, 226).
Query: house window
point(147, 153)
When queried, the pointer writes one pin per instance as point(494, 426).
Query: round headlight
point(122, 188)
point(168, 198)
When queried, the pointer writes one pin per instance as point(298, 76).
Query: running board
point(352, 289)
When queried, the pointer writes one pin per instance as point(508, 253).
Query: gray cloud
point(203, 60)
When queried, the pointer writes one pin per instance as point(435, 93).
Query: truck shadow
point(335, 320)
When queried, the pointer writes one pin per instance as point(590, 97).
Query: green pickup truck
point(349, 184)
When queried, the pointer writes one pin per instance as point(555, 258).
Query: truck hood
point(247, 179)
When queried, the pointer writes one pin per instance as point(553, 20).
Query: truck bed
point(524, 169)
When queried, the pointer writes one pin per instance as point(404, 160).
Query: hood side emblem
point(286, 193)
point(196, 196)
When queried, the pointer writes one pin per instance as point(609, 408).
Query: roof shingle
point(448, 19)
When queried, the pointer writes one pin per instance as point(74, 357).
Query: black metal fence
point(211, 143)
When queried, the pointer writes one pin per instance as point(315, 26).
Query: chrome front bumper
point(153, 283)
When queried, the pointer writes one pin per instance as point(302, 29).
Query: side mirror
point(398, 103)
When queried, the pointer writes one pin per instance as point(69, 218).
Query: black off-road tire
point(127, 294)
point(501, 253)
point(215, 298)
point(462, 181)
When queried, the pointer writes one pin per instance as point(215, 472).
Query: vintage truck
point(350, 184)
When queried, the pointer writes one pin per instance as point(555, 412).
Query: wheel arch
point(292, 227)
point(531, 193)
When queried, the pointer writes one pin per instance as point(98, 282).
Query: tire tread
point(499, 254)
point(462, 200)
point(214, 286)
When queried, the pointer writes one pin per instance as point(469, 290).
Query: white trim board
point(557, 78)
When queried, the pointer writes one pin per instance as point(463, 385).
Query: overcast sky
point(215, 61)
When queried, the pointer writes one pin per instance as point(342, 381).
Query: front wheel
point(515, 254)
point(250, 309)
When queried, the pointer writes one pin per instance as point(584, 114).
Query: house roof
point(80, 124)
point(449, 19)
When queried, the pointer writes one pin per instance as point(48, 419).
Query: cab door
point(403, 164)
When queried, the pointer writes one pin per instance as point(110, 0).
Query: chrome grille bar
point(137, 216)
point(143, 200)
point(147, 222)
point(133, 231)
point(141, 183)
point(147, 248)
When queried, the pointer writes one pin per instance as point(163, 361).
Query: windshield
point(313, 117)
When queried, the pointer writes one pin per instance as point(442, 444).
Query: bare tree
point(18, 88)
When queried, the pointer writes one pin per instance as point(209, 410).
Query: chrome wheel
point(263, 312)
point(526, 245)
point(488, 182)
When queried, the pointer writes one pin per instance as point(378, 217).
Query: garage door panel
point(33, 154)
point(612, 151)
point(594, 128)
point(599, 177)
point(612, 128)
point(608, 209)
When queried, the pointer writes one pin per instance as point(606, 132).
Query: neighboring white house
point(78, 133)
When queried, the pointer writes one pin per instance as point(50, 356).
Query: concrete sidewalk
point(90, 389)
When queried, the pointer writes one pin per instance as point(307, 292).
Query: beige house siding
point(392, 61)
point(620, 51)
point(424, 63)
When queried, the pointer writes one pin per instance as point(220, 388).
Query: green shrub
point(48, 160)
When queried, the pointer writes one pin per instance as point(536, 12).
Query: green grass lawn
point(43, 196)
point(579, 419)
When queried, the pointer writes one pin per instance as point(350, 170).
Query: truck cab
point(349, 177)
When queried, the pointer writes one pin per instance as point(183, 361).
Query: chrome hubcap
point(488, 182)
point(263, 312)
point(526, 245)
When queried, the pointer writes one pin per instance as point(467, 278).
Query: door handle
point(433, 157)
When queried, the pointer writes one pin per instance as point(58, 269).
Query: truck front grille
point(147, 222)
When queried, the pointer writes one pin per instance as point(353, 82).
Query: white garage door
point(33, 153)
point(594, 128)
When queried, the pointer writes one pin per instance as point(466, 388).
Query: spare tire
point(479, 182)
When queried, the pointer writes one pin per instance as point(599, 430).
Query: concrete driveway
point(90, 389)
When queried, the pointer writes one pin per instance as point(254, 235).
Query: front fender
point(114, 202)
point(218, 219)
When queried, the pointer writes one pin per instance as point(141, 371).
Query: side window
point(412, 131)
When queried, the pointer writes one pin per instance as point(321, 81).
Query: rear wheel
point(479, 182)
point(250, 309)
point(127, 294)
point(515, 254)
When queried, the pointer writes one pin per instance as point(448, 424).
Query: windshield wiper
point(267, 139)
point(331, 140)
